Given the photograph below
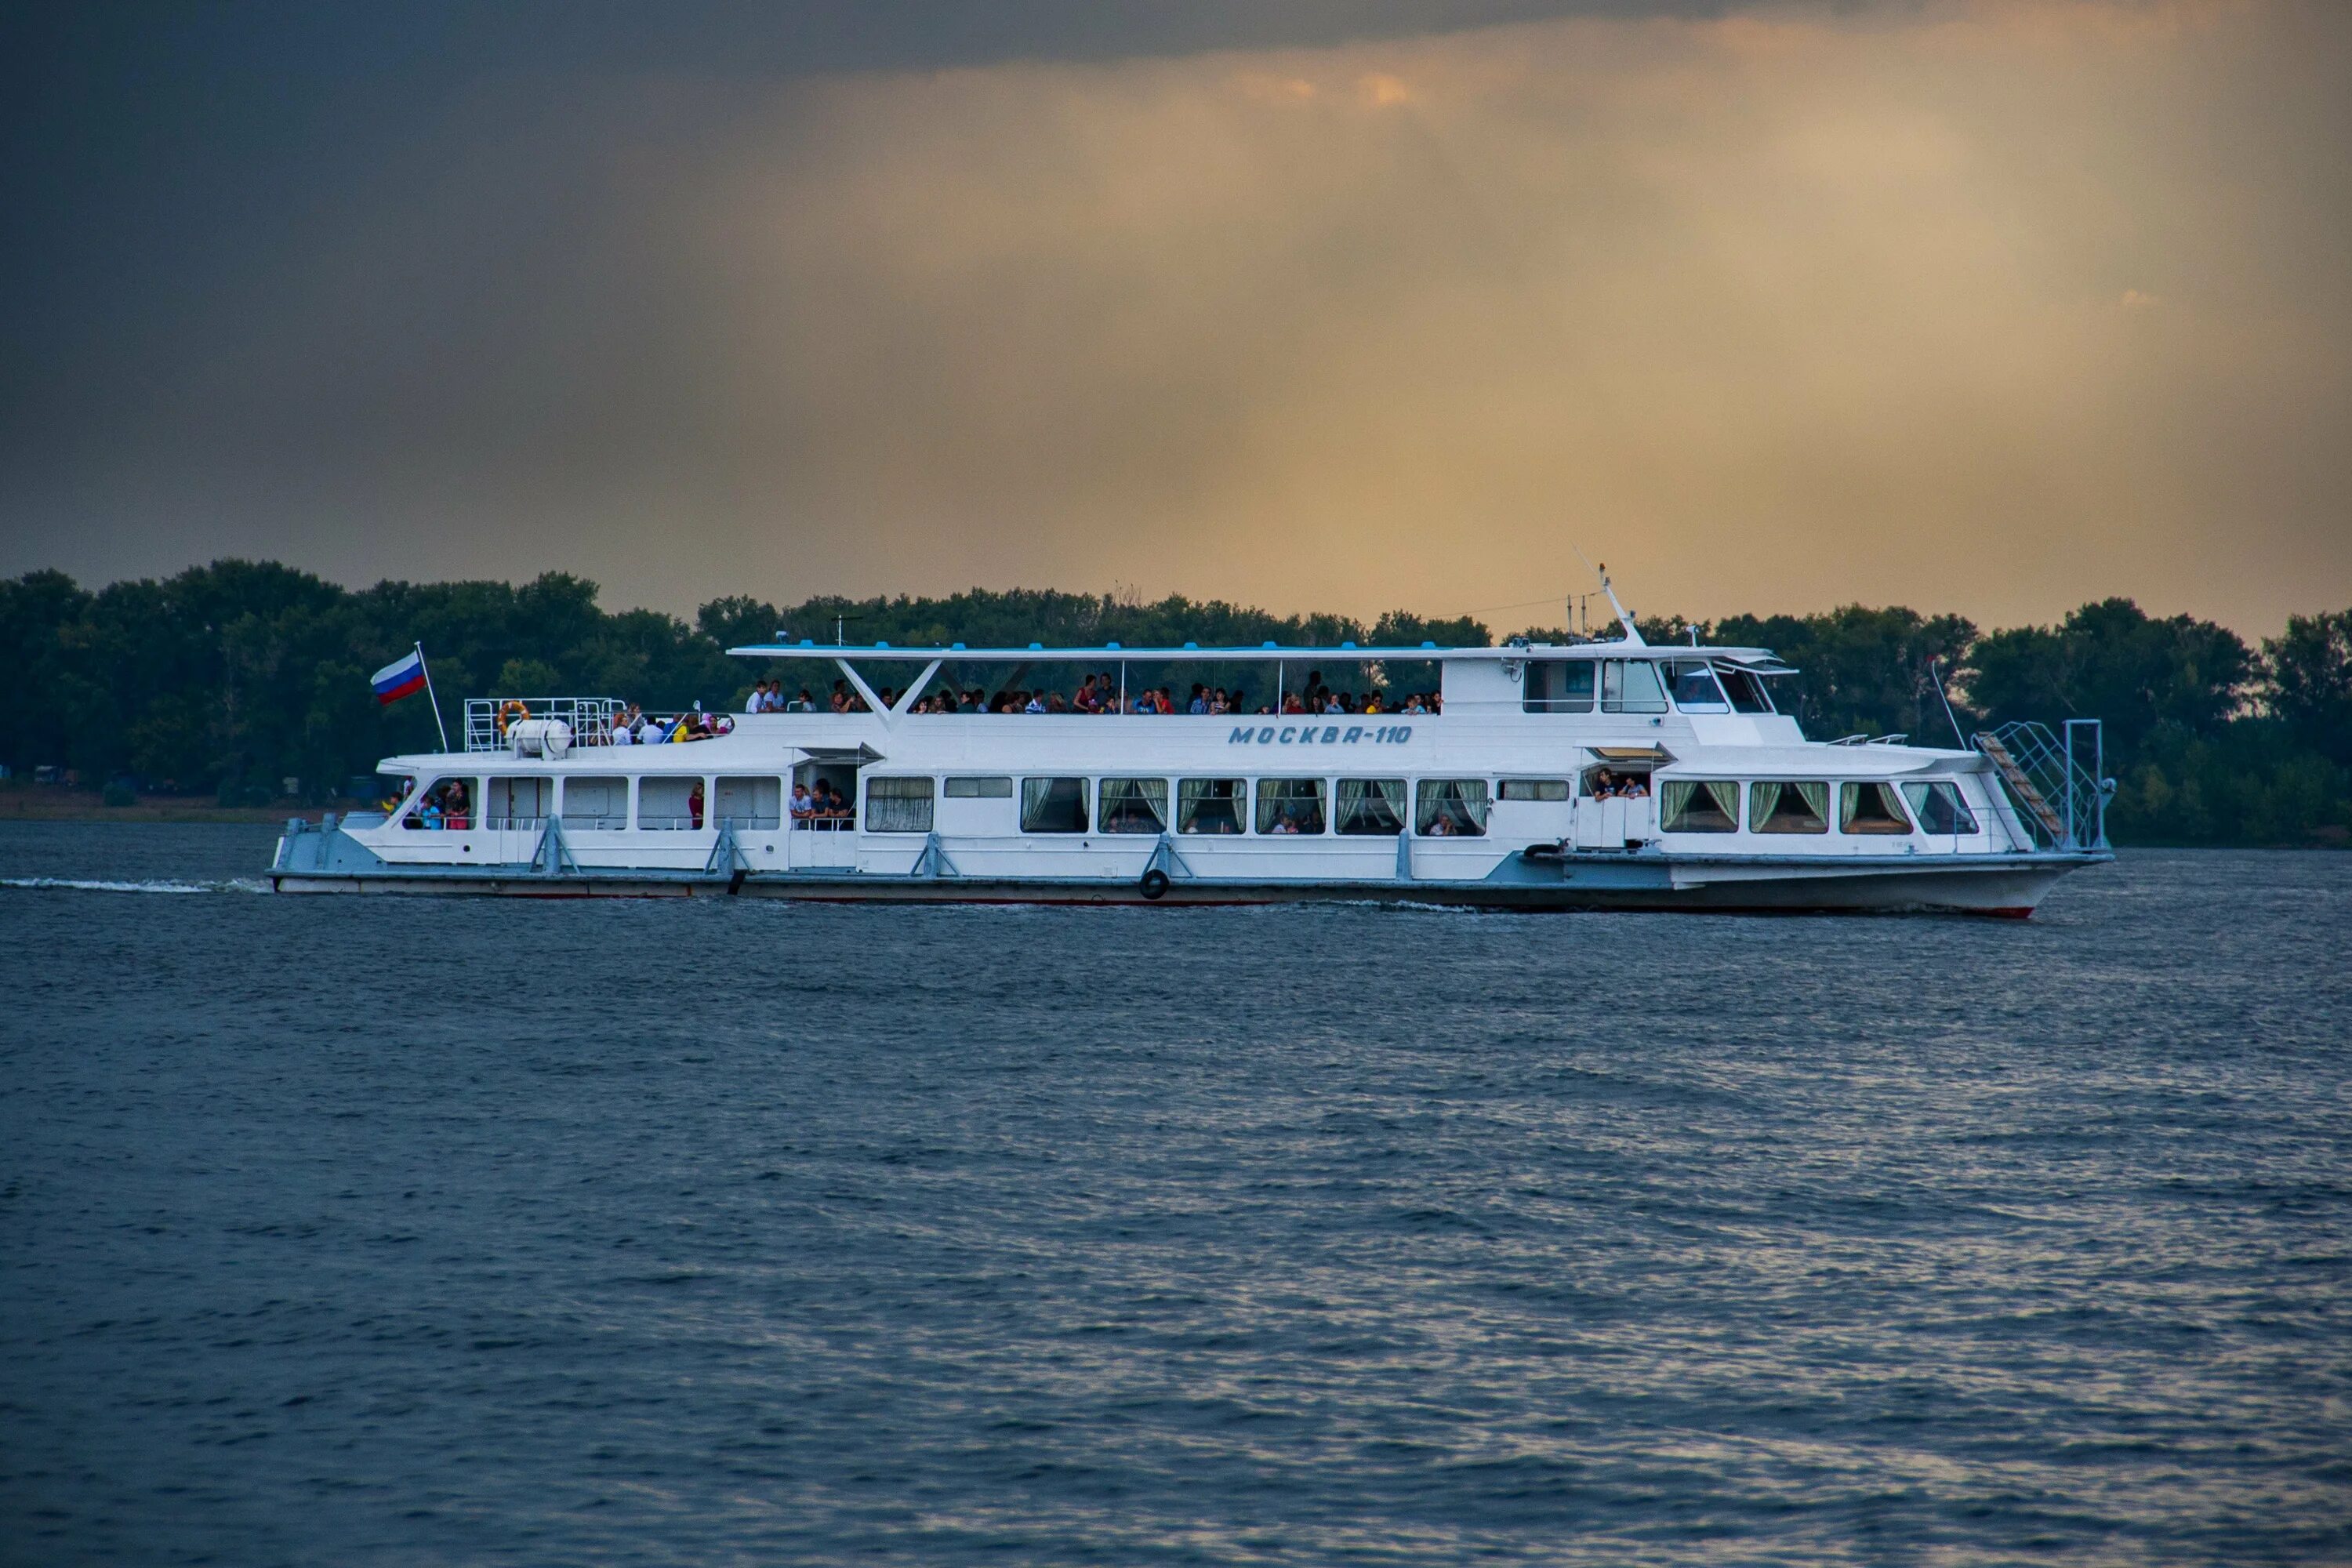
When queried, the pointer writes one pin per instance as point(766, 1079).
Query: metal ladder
point(2021, 784)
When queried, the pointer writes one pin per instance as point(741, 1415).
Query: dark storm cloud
point(1994, 304)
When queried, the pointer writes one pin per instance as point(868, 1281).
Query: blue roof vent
point(1347, 644)
point(1268, 643)
point(808, 642)
point(959, 647)
point(1429, 644)
point(1192, 645)
point(1110, 644)
point(1036, 644)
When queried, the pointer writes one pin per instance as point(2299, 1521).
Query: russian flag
point(398, 679)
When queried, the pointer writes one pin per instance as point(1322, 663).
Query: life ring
point(1155, 883)
point(512, 711)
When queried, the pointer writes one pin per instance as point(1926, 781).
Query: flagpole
point(429, 696)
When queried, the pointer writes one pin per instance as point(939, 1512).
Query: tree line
point(229, 678)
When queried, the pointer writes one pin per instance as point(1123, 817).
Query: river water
point(383, 1231)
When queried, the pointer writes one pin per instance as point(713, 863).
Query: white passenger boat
point(1595, 775)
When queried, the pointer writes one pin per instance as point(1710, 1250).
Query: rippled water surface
point(388, 1231)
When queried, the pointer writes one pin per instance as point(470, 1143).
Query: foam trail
point(233, 885)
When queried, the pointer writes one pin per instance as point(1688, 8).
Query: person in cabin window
point(457, 816)
point(802, 808)
point(694, 805)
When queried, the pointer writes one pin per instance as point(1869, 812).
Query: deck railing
point(2057, 787)
point(488, 717)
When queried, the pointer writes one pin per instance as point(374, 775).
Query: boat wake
point(77, 884)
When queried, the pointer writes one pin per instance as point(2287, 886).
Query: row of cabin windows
point(1639, 686)
point(1277, 807)
point(1283, 807)
point(1713, 805)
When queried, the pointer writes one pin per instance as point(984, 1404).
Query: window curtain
point(1125, 802)
point(1301, 799)
point(1872, 808)
point(1770, 809)
point(1053, 805)
point(1761, 800)
point(899, 805)
point(1816, 797)
point(1461, 802)
point(1223, 797)
point(1371, 805)
point(1940, 809)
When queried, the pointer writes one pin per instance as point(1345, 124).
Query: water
point(388, 1231)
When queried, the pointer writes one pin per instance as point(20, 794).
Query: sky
point(1992, 305)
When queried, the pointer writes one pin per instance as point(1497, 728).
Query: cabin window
point(751, 802)
point(980, 789)
point(669, 805)
point(1630, 686)
point(1871, 808)
point(1619, 780)
point(1053, 805)
point(1133, 806)
point(520, 803)
point(1699, 806)
point(1558, 686)
point(1939, 808)
point(1451, 808)
point(897, 805)
point(446, 804)
point(1533, 789)
point(1373, 806)
point(1789, 807)
point(1290, 805)
point(1746, 691)
point(1694, 689)
point(599, 804)
point(1211, 805)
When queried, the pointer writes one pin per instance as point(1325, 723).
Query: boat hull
point(2010, 886)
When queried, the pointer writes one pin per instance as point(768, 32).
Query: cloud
point(1785, 309)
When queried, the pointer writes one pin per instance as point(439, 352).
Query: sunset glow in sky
point(1984, 305)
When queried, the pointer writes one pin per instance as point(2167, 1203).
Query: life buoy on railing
point(512, 711)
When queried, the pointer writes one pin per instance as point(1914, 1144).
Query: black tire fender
point(1155, 883)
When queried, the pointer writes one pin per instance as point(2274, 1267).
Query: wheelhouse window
point(751, 802)
point(520, 803)
point(1290, 805)
point(1746, 691)
point(1211, 805)
point(1871, 808)
point(1558, 686)
point(1699, 806)
point(1133, 806)
point(980, 789)
point(1694, 686)
point(598, 804)
point(669, 805)
point(1532, 789)
point(1789, 807)
point(1053, 805)
point(1632, 686)
point(1370, 806)
point(897, 805)
point(1939, 808)
point(1451, 809)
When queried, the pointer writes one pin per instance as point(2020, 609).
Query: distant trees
point(234, 676)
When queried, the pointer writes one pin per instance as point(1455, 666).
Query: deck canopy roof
point(1758, 659)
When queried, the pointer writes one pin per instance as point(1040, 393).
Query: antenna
point(1625, 619)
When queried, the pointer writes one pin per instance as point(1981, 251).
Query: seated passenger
point(623, 733)
point(1036, 703)
point(1439, 827)
point(1219, 702)
point(650, 734)
point(1053, 704)
point(1637, 787)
